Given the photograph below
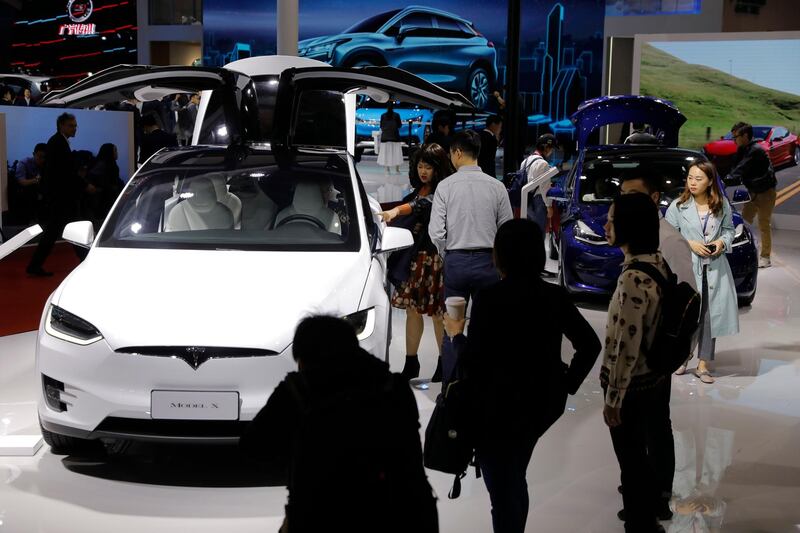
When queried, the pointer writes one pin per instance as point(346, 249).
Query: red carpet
point(22, 297)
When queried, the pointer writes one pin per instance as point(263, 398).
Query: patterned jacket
point(632, 315)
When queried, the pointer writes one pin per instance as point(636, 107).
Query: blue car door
point(414, 48)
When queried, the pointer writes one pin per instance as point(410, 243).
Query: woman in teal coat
point(703, 216)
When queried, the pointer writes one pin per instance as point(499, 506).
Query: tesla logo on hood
point(79, 10)
point(196, 356)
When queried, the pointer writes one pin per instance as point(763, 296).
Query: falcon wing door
point(313, 108)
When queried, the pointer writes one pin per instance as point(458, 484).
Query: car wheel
point(796, 155)
point(747, 302)
point(364, 62)
point(65, 445)
point(478, 87)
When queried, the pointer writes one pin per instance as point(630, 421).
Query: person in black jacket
point(418, 271)
point(343, 434)
point(514, 353)
point(754, 169)
point(104, 175)
point(61, 189)
point(489, 138)
point(154, 138)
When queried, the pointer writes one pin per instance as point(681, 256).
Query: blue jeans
point(465, 273)
point(504, 467)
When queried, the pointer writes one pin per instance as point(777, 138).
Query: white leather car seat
point(200, 210)
point(258, 209)
point(231, 201)
point(308, 200)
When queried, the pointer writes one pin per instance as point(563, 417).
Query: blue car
point(437, 46)
point(588, 265)
point(368, 119)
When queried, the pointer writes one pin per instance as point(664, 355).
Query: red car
point(782, 146)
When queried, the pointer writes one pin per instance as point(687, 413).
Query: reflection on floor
point(738, 466)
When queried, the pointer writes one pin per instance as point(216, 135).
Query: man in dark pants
point(489, 138)
point(61, 192)
point(754, 170)
point(154, 138)
point(468, 207)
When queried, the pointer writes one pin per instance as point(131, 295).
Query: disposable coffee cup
point(456, 306)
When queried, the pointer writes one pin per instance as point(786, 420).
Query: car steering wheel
point(305, 218)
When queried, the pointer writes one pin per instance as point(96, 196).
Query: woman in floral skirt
point(421, 292)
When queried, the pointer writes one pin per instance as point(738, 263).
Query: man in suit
point(62, 189)
point(489, 138)
point(154, 138)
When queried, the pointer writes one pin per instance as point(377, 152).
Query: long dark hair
point(714, 190)
point(435, 156)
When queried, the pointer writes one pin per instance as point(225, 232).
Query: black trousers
point(56, 216)
point(632, 440)
point(504, 467)
point(661, 443)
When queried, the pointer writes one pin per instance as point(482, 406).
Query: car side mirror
point(395, 239)
point(556, 192)
point(740, 196)
point(80, 233)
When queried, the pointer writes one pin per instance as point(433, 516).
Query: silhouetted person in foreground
point(520, 385)
point(61, 189)
point(343, 433)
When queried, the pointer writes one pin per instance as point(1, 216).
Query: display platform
point(736, 443)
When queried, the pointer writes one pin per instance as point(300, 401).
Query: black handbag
point(449, 439)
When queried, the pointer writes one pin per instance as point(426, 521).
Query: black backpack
point(515, 181)
point(677, 322)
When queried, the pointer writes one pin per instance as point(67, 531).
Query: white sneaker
point(764, 262)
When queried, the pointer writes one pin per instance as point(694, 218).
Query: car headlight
point(363, 322)
point(320, 50)
point(64, 325)
point(742, 236)
point(584, 233)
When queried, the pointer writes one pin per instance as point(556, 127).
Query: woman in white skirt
point(391, 152)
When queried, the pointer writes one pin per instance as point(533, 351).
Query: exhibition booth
point(252, 180)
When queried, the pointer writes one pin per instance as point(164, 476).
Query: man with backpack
point(343, 434)
point(536, 164)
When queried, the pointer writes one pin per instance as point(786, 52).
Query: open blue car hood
point(598, 112)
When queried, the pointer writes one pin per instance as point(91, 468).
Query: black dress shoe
point(437, 374)
point(411, 368)
point(38, 272)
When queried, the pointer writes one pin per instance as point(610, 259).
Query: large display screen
point(719, 80)
point(459, 45)
point(625, 8)
point(70, 39)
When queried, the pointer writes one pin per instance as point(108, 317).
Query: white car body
point(178, 329)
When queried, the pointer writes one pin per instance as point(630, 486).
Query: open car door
point(315, 106)
point(231, 112)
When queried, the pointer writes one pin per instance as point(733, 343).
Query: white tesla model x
point(178, 325)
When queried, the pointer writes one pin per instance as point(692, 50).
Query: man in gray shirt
point(468, 207)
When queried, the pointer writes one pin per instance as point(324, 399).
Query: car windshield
point(187, 198)
point(372, 24)
point(603, 174)
point(759, 133)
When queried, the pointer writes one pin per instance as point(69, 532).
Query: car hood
point(722, 147)
point(325, 39)
point(139, 297)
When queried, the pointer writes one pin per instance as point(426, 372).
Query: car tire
point(796, 156)
point(65, 445)
point(748, 301)
point(479, 87)
point(364, 61)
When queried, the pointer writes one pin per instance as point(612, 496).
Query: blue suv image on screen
point(437, 46)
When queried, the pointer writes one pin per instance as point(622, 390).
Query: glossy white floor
point(737, 443)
